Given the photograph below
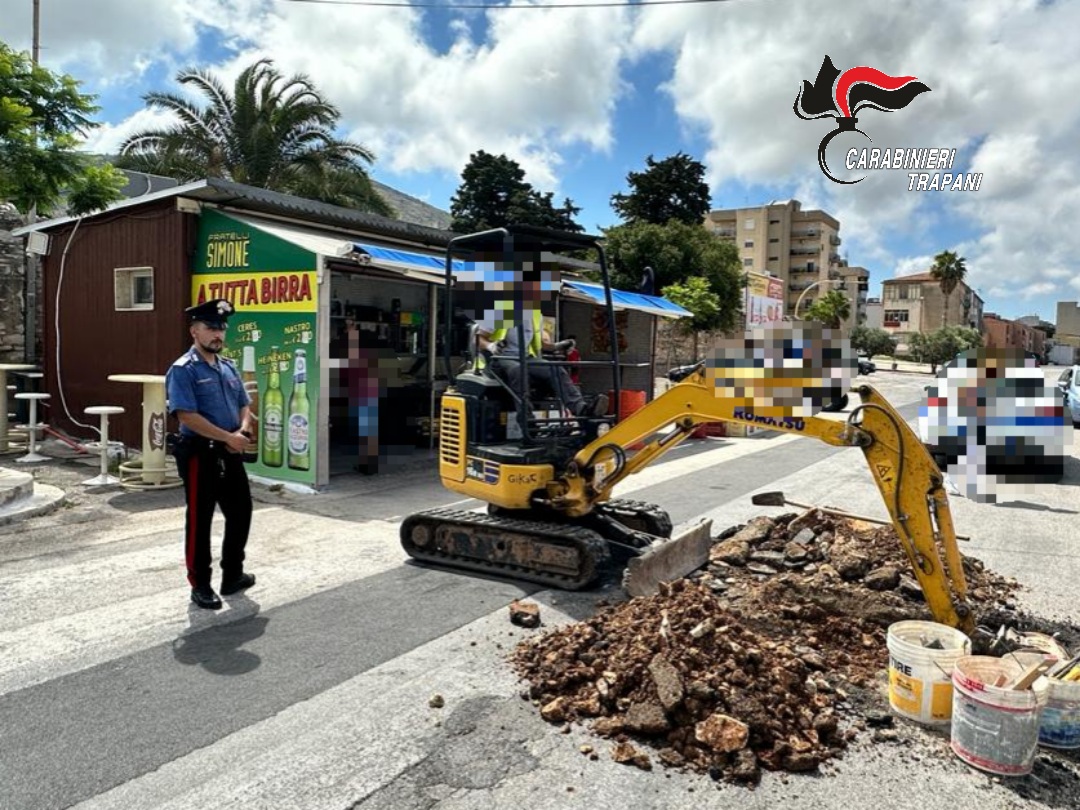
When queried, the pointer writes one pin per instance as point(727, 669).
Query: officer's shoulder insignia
point(183, 360)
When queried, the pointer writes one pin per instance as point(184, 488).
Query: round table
point(4, 369)
point(151, 469)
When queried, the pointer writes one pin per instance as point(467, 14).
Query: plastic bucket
point(1060, 726)
point(994, 729)
point(920, 678)
point(630, 401)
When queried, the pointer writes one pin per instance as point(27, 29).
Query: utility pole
point(32, 260)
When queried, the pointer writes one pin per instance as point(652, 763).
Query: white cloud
point(1003, 77)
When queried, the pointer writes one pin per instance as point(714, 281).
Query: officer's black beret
point(214, 313)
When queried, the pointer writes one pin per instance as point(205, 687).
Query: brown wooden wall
point(95, 339)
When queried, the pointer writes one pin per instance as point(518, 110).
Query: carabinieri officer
point(208, 397)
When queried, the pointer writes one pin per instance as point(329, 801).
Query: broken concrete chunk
point(886, 578)
point(796, 552)
point(771, 558)
point(625, 754)
point(732, 552)
point(909, 587)
point(525, 614)
point(722, 733)
point(745, 768)
point(609, 726)
point(436, 702)
point(850, 566)
point(555, 711)
point(803, 537)
point(669, 685)
point(646, 718)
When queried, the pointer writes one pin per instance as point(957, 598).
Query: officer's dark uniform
point(212, 474)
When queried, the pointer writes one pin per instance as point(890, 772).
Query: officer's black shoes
point(232, 586)
point(204, 597)
point(600, 406)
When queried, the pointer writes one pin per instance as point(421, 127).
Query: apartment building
point(915, 303)
point(1000, 333)
point(1067, 327)
point(780, 239)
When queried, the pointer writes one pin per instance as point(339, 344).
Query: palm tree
point(270, 132)
point(832, 309)
point(949, 270)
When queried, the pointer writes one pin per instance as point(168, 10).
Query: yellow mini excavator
point(548, 479)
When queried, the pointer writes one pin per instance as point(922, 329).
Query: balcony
point(834, 258)
point(806, 250)
point(724, 233)
point(834, 240)
point(810, 234)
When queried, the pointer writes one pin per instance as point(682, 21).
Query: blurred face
point(207, 338)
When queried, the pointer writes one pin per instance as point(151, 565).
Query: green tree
point(678, 252)
point(942, 345)
point(42, 119)
point(872, 341)
point(673, 188)
point(269, 131)
point(831, 309)
point(949, 270)
point(703, 304)
point(494, 193)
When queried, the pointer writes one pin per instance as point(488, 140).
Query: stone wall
point(12, 340)
point(674, 347)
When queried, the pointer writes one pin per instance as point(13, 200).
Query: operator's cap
point(214, 313)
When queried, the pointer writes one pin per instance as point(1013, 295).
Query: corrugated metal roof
point(259, 200)
point(622, 299)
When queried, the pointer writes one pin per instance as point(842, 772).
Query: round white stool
point(32, 429)
point(104, 411)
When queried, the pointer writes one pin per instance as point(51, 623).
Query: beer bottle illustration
point(251, 385)
point(299, 416)
point(273, 415)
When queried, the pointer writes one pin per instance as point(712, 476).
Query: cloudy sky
point(580, 96)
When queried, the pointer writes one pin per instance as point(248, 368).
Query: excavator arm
point(906, 476)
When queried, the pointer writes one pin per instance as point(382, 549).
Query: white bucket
point(920, 679)
point(1060, 727)
point(993, 729)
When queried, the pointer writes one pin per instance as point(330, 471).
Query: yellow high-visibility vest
point(535, 344)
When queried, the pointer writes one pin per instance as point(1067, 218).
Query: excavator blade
point(668, 560)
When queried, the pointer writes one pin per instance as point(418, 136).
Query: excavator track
point(558, 555)
point(638, 515)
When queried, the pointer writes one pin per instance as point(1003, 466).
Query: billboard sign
point(271, 338)
point(764, 300)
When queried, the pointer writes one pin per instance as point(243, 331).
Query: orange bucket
point(629, 402)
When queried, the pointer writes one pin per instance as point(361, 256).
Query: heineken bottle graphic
point(273, 415)
point(251, 385)
point(299, 416)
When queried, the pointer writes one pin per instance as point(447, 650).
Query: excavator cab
point(505, 424)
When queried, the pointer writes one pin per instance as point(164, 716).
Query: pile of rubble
point(746, 664)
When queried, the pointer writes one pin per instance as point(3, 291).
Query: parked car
point(1069, 385)
point(866, 366)
point(997, 411)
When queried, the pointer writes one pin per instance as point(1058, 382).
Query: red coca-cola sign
point(155, 430)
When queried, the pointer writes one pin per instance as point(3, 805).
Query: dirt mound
point(743, 665)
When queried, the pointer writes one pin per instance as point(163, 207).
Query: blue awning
point(621, 299)
point(407, 260)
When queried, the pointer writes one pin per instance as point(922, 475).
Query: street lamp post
point(798, 303)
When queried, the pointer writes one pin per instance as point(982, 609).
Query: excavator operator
point(497, 334)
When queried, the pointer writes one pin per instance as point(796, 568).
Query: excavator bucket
point(669, 560)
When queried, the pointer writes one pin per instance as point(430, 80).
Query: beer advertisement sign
point(271, 337)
